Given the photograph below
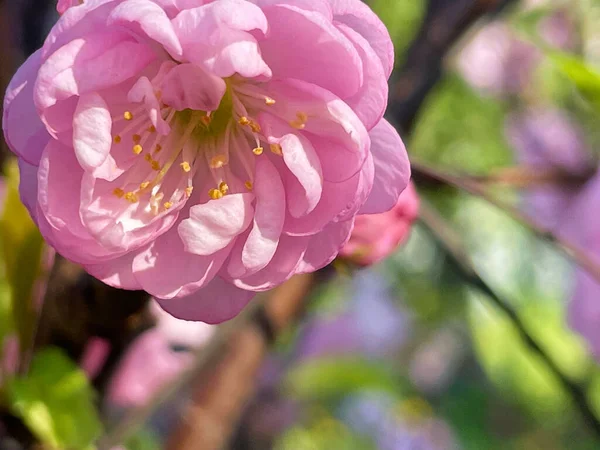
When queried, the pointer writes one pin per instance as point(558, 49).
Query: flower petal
point(392, 169)
point(269, 216)
point(189, 86)
point(325, 246)
point(26, 141)
point(147, 18)
point(117, 272)
point(212, 226)
point(215, 303)
point(143, 91)
point(92, 137)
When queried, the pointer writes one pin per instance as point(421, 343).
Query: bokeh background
point(410, 353)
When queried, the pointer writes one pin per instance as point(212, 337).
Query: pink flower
point(63, 5)
point(376, 236)
point(148, 365)
point(207, 150)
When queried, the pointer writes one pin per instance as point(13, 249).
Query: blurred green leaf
point(585, 78)
point(56, 402)
point(335, 377)
point(144, 440)
point(515, 369)
point(22, 247)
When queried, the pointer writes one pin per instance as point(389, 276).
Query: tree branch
point(426, 173)
point(451, 243)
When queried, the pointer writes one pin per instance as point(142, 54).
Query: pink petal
point(147, 18)
point(26, 141)
point(189, 86)
point(28, 186)
point(269, 216)
point(117, 272)
point(98, 61)
point(324, 247)
point(319, 56)
point(212, 226)
point(165, 270)
point(281, 268)
point(362, 19)
point(215, 36)
point(63, 5)
point(370, 101)
point(392, 169)
point(143, 91)
point(92, 137)
point(215, 303)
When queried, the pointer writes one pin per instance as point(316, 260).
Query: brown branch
point(581, 258)
point(449, 240)
point(224, 372)
point(529, 176)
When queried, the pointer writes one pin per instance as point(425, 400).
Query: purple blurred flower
point(372, 323)
point(496, 62)
point(558, 30)
point(549, 139)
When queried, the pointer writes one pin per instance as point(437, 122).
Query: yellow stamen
point(218, 161)
point(148, 157)
point(188, 191)
point(300, 122)
point(269, 101)
point(152, 129)
point(127, 115)
point(258, 151)
point(254, 126)
point(206, 120)
point(249, 185)
point(215, 194)
point(136, 138)
point(131, 197)
point(168, 205)
point(117, 139)
point(185, 166)
point(302, 116)
point(276, 148)
point(223, 187)
point(119, 192)
point(243, 120)
point(137, 149)
point(155, 165)
point(158, 148)
point(144, 185)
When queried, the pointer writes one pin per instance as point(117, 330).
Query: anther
point(136, 138)
point(300, 122)
point(119, 192)
point(155, 165)
point(276, 148)
point(131, 197)
point(188, 191)
point(185, 166)
point(152, 129)
point(223, 187)
point(148, 157)
point(243, 120)
point(144, 185)
point(168, 205)
point(137, 149)
point(206, 120)
point(269, 101)
point(127, 115)
point(254, 126)
point(258, 151)
point(158, 148)
point(215, 194)
point(117, 139)
point(218, 161)
point(249, 185)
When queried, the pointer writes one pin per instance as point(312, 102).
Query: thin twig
point(451, 243)
point(580, 257)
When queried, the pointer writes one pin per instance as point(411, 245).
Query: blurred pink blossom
point(376, 236)
point(94, 356)
point(200, 149)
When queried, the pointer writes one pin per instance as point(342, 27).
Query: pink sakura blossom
point(205, 151)
point(63, 5)
point(376, 236)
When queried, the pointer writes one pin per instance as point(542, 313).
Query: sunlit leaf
point(56, 402)
point(585, 78)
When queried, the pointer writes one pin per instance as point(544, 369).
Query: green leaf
point(585, 78)
point(56, 402)
point(22, 246)
point(327, 378)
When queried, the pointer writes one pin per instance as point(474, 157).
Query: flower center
point(165, 175)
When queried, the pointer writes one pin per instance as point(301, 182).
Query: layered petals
point(202, 150)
